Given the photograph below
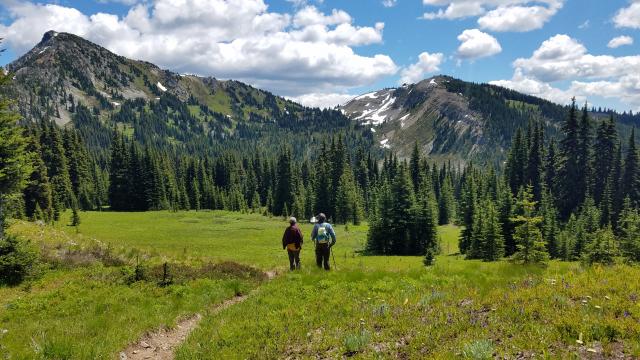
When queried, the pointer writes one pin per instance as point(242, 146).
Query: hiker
point(292, 241)
point(324, 237)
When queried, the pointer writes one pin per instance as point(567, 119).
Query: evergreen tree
point(631, 176)
point(285, 190)
point(37, 194)
point(604, 152)
point(602, 249)
point(493, 248)
point(529, 242)
point(446, 203)
point(14, 161)
point(535, 166)
point(629, 227)
point(424, 236)
point(570, 193)
point(401, 217)
point(585, 157)
point(118, 171)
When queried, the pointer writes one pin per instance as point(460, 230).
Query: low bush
point(18, 260)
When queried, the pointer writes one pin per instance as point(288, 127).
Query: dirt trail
point(161, 343)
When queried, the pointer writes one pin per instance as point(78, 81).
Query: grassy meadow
point(368, 307)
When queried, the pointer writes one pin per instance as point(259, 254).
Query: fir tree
point(631, 176)
point(569, 172)
point(529, 242)
point(14, 161)
point(493, 248)
point(37, 194)
point(604, 152)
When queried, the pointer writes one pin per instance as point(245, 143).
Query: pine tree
point(604, 152)
point(468, 209)
point(14, 161)
point(516, 167)
point(446, 203)
point(119, 177)
point(37, 194)
point(551, 168)
point(54, 157)
point(380, 233)
point(529, 242)
point(414, 167)
point(585, 156)
point(629, 228)
point(631, 176)
point(424, 236)
point(285, 180)
point(401, 216)
point(535, 166)
point(602, 248)
point(550, 225)
point(493, 248)
point(570, 192)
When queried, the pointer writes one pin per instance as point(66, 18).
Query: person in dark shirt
point(292, 241)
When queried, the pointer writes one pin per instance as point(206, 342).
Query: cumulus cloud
point(563, 59)
point(290, 54)
point(477, 44)
point(322, 100)
point(618, 41)
point(518, 18)
point(456, 11)
point(427, 63)
point(628, 16)
point(497, 15)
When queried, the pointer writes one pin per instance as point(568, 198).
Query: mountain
point(79, 84)
point(451, 119)
point(75, 82)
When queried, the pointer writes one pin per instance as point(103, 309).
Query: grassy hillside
point(370, 307)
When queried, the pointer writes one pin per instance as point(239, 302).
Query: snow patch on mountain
point(385, 144)
point(161, 87)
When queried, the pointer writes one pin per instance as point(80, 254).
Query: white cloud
point(629, 16)
point(563, 59)
point(389, 3)
point(618, 41)
point(497, 15)
point(477, 44)
point(456, 11)
point(427, 63)
point(518, 18)
point(308, 51)
point(322, 100)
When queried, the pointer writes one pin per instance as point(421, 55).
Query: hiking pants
point(294, 259)
point(322, 255)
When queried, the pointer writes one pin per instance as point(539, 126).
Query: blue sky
point(321, 52)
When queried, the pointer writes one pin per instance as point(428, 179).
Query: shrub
point(429, 257)
point(478, 350)
point(602, 249)
point(355, 343)
point(18, 260)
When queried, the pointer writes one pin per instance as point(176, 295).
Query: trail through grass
point(370, 307)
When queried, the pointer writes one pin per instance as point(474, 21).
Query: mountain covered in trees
point(451, 119)
point(75, 83)
point(568, 189)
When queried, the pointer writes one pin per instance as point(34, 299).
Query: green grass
point(251, 239)
point(367, 307)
